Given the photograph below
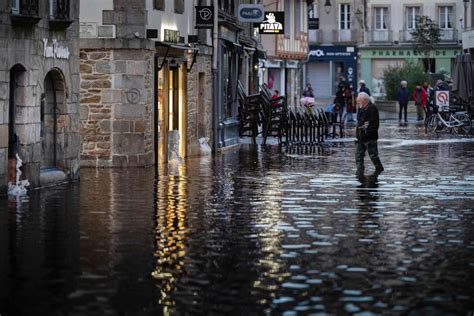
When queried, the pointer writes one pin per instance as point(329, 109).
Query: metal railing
point(345, 36)
point(380, 36)
point(405, 35)
point(315, 36)
point(449, 35)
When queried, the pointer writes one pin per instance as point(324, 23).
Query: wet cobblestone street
point(252, 231)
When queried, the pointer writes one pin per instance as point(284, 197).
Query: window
point(445, 17)
point(298, 19)
point(345, 16)
point(413, 13)
point(227, 6)
point(159, 5)
point(24, 7)
point(179, 6)
point(59, 9)
point(287, 10)
point(15, 4)
point(381, 19)
point(313, 12)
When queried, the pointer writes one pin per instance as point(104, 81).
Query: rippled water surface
point(253, 231)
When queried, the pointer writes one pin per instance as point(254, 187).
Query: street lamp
point(327, 6)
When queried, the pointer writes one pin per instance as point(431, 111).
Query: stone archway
point(17, 97)
point(53, 120)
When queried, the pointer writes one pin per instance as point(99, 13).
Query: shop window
point(159, 5)
point(228, 72)
point(179, 6)
point(429, 64)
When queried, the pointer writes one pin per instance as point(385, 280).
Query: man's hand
point(366, 124)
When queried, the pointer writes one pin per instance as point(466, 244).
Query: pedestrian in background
point(402, 98)
point(340, 100)
point(420, 98)
point(308, 91)
point(367, 134)
point(363, 87)
point(276, 94)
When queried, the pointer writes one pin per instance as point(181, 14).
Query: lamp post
point(327, 6)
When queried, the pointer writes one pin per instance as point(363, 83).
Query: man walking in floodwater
point(367, 134)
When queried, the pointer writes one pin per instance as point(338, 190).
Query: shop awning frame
point(180, 47)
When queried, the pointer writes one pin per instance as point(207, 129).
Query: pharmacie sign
point(274, 23)
point(412, 53)
point(55, 50)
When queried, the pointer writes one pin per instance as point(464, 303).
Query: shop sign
point(274, 23)
point(313, 23)
point(410, 53)
point(273, 63)
point(331, 52)
point(251, 13)
point(171, 36)
point(55, 50)
point(204, 17)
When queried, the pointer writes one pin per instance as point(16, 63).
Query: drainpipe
point(215, 79)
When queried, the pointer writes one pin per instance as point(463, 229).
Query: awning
point(176, 46)
point(250, 49)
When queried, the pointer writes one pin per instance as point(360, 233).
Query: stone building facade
point(116, 105)
point(39, 91)
point(138, 86)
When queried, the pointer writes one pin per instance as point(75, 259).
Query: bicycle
point(450, 118)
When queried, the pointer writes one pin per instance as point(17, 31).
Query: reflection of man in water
point(367, 191)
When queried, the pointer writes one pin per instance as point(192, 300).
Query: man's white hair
point(364, 96)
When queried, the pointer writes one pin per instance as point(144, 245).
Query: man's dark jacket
point(403, 96)
point(370, 114)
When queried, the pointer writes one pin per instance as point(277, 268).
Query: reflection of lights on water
point(170, 229)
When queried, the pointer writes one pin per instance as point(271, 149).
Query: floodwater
point(253, 231)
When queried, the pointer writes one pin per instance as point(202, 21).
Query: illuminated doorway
point(172, 111)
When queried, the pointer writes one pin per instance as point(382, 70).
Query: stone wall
point(116, 107)
point(199, 105)
point(22, 52)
